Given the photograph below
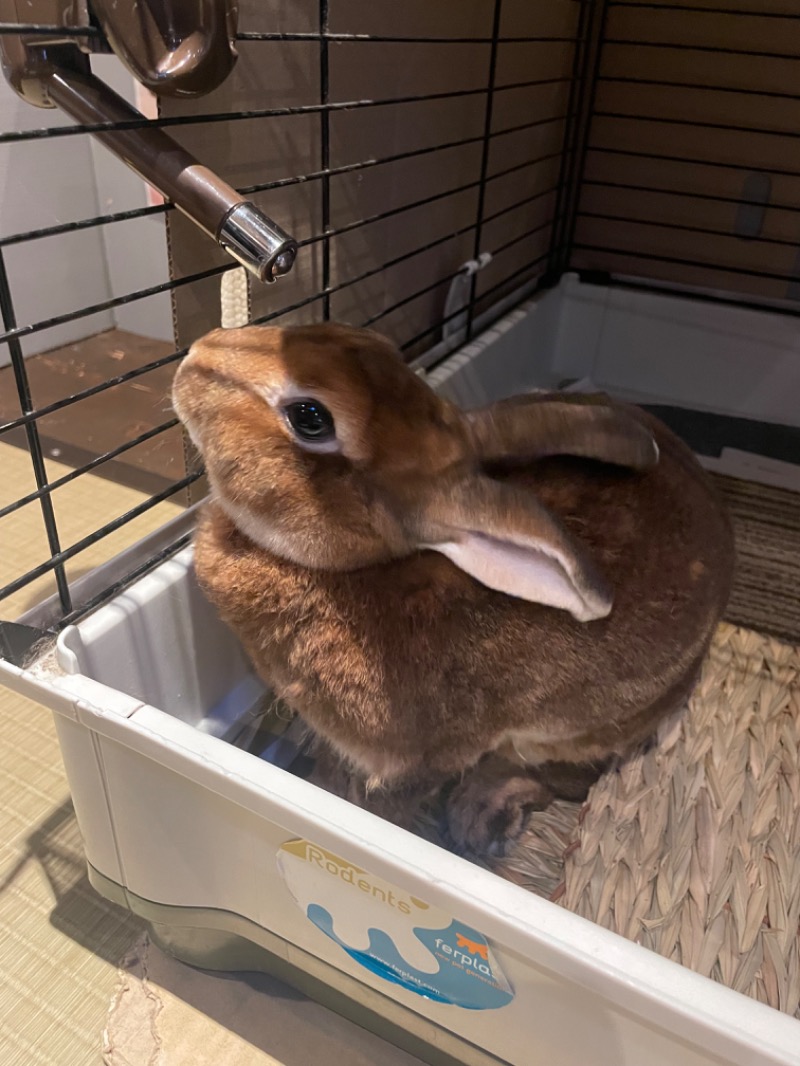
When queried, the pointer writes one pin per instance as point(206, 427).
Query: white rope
point(234, 299)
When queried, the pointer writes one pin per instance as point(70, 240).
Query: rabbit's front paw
point(488, 810)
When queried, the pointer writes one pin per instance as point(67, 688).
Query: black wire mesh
point(503, 164)
point(643, 144)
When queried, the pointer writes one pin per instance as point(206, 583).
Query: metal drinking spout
point(250, 236)
point(185, 49)
point(257, 242)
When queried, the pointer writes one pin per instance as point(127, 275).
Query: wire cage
point(442, 168)
point(638, 144)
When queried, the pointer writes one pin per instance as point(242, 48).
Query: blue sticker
point(393, 934)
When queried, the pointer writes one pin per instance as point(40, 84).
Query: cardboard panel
point(691, 213)
point(413, 18)
point(703, 67)
point(633, 172)
point(521, 18)
point(692, 172)
point(749, 31)
point(743, 7)
point(682, 275)
point(375, 214)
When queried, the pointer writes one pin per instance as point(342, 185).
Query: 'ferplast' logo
point(466, 953)
point(394, 935)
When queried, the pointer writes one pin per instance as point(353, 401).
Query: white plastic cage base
point(179, 819)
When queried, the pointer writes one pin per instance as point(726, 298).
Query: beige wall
point(44, 182)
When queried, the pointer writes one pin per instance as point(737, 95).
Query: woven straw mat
point(692, 848)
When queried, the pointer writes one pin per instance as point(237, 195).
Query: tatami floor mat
point(207, 1019)
point(63, 999)
point(81, 507)
point(59, 941)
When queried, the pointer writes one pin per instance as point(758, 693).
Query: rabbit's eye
point(311, 420)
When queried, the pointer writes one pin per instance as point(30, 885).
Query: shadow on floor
point(101, 927)
point(256, 1009)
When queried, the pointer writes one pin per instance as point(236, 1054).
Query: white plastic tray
point(179, 817)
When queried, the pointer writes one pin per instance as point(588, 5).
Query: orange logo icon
point(472, 947)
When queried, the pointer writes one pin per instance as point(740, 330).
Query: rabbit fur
point(502, 599)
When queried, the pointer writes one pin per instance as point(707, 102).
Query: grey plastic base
point(220, 940)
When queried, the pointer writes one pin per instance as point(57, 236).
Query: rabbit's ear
point(531, 427)
point(507, 540)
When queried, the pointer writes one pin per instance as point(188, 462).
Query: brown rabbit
point(444, 595)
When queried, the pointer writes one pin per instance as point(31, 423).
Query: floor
point(80, 506)
point(59, 941)
point(61, 944)
point(92, 426)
